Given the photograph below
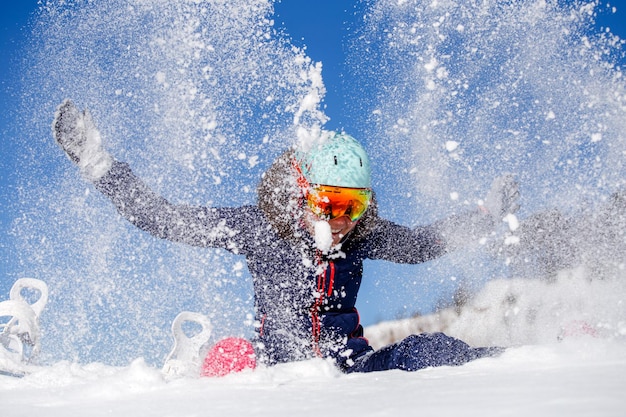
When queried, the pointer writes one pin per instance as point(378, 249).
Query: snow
point(550, 368)
point(578, 377)
point(512, 221)
point(323, 235)
point(518, 312)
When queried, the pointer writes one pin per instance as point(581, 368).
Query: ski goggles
point(329, 202)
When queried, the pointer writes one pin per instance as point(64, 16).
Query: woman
point(304, 242)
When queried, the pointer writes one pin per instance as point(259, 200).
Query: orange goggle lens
point(330, 202)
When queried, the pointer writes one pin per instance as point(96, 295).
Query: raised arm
point(225, 228)
point(401, 244)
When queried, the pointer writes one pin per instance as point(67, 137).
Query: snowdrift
point(513, 312)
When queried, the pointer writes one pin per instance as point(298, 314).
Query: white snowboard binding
point(19, 325)
point(187, 356)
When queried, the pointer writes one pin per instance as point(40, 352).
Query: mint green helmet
point(340, 161)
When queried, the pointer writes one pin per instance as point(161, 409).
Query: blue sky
point(320, 25)
point(14, 33)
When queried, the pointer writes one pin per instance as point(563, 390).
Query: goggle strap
point(301, 180)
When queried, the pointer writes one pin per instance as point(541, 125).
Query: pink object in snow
point(230, 355)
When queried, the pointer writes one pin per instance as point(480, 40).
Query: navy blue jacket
point(304, 300)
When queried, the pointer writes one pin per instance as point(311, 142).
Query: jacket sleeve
point(395, 243)
point(461, 230)
point(392, 242)
point(197, 226)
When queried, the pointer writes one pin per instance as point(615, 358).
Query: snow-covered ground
point(578, 377)
point(581, 375)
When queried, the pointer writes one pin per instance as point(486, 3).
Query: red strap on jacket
point(316, 322)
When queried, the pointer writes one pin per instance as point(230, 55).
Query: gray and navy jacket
point(304, 298)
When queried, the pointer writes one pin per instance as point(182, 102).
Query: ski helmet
point(340, 161)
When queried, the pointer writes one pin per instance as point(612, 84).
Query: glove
point(502, 198)
point(75, 132)
point(459, 230)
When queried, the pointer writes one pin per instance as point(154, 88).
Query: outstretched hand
point(503, 197)
point(75, 132)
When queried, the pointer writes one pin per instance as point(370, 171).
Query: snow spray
point(199, 97)
point(466, 91)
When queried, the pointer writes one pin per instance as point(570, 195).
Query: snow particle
point(323, 236)
point(451, 145)
point(512, 221)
